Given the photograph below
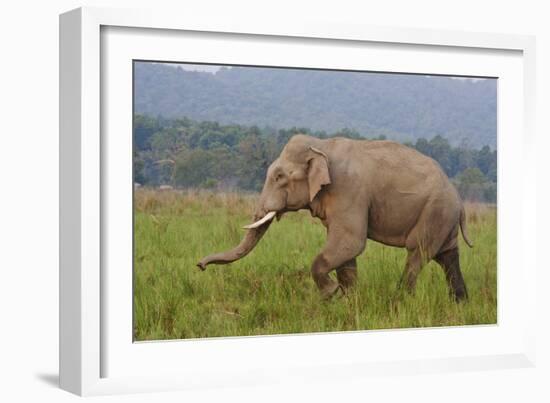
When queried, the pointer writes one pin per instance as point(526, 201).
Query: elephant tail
point(463, 228)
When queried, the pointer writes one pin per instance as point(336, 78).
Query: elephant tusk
point(267, 217)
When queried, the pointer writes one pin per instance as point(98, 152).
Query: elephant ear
point(318, 174)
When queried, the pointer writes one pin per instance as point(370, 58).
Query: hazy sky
point(214, 68)
point(195, 67)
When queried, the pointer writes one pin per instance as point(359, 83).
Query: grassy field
point(271, 291)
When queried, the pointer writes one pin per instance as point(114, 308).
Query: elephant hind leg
point(449, 261)
point(347, 274)
point(435, 230)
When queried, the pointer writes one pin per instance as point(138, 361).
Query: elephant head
point(292, 182)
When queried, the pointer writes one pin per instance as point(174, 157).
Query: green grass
point(271, 291)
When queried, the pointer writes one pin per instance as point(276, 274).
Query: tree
point(440, 150)
point(253, 162)
point(139, 164)
point(422, 145)
point(144, 128)
point(193, 167)
point(473, 185)
point(486, 160)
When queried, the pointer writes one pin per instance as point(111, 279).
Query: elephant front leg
point(342, 247)
point(320, 271)
point(347, 274)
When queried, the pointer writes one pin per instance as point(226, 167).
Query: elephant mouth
point(280, 214)
point(268, 217)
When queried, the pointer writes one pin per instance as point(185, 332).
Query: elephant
point(362, 189)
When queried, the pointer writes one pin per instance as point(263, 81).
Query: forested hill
point(401, 107)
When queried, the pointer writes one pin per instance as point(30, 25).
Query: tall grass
point(271, 290)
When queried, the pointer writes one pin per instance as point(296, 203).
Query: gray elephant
point(360, 189)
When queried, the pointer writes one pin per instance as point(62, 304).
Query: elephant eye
point(278, 177)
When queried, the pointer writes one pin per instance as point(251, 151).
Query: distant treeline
point(185, 153)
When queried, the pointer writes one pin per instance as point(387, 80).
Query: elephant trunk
point(248, 243)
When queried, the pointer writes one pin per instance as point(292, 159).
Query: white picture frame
point(87, 312)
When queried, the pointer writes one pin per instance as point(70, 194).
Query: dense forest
point(402, 107)
point(185, 153)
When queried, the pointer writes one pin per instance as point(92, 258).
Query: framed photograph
point(380, 176)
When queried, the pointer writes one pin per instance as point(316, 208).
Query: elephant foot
point(330, 290)
point(459, 295)
point(346, 283)
point(347, 275)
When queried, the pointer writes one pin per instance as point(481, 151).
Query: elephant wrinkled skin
point(360, 189)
